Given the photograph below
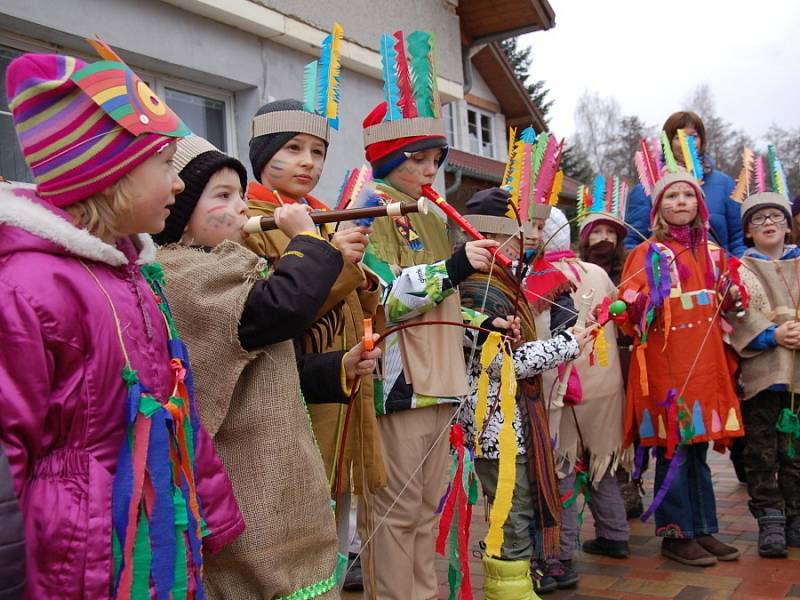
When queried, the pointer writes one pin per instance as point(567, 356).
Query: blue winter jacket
point(726, 223)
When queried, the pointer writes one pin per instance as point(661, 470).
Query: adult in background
point(726, 226)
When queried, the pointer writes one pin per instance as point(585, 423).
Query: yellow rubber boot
point(507, 580)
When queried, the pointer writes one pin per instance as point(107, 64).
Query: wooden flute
point(394, 209)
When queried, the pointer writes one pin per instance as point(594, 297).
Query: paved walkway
point(646, 575)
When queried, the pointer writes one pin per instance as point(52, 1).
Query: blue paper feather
point(391, 90)
point(322, 71)
point(528, 135)
point(598, 197)
point(697, 166)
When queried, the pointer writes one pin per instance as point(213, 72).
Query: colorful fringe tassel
point(507, 448)
point(454, 524)
point(154, 500)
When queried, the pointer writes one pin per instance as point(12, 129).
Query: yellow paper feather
point(332, 104)
point(516, 177)
point(601, 347)
point(684, 142)
point(742, 189)
point(512, 138)
point(558, 182)
point(491, 348)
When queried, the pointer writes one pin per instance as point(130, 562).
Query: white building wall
point(163, 40)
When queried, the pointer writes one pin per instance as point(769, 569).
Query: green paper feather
point(310, 87)
point(420, 60)
point(669, 158)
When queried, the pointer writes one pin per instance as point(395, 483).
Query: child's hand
point(788, 335)
point(358, 362)
point(513, 328)
point(352, 242)
point(583, 336)
point(293, 219)
point(478, 254)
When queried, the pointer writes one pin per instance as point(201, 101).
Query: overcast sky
point(650, 55)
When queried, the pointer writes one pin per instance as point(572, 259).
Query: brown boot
point(688, 552)
point(713, 546)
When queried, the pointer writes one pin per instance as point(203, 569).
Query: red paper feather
point(406, 100)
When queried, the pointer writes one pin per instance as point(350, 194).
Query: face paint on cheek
point(217, 207)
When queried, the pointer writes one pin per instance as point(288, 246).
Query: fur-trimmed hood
point(29, 223)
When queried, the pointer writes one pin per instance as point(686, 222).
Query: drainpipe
point(456, 182)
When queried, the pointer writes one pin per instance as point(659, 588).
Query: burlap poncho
point(251, 405)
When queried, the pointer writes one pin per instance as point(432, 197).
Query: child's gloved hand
point(478, 254)
point(352, 242)
point(293, 219)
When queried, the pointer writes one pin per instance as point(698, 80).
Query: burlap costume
point(771, 285)
point(340, 326)
point(250, 403)
point(601, 412)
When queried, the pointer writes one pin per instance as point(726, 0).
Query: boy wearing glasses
point(766, 338)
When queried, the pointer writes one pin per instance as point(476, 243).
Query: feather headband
point(410, 88)
point(761, 183)
point(655, 159)
point(321, 95)
point(532, 176)
point(605, 200)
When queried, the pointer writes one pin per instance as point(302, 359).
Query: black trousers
point(773, 477)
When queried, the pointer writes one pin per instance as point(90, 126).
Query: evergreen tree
point(520, 59)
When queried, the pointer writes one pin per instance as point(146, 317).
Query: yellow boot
point(507, 580)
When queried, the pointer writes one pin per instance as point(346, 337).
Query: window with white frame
point(12, 163)
point(449, 124)
point(479, 128)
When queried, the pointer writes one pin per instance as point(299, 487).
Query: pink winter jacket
point(62, 394)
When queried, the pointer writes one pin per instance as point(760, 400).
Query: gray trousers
point(608, 510)
point(517, 543)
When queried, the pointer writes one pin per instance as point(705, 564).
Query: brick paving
point(646, 575)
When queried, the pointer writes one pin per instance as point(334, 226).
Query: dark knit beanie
point(195, 176)
point(264, 147)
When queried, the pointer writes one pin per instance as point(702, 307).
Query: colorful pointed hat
point(603, 202)
point(532, 174)
point(410, 89)
point(321, 93)
point(82, 127)
point(760, 185)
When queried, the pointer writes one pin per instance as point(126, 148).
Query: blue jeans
point(688, 509)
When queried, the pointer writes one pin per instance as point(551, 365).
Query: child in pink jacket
point(118, 482)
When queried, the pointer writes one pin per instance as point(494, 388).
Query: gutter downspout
point(456, 182)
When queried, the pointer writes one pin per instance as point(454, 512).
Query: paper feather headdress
point(321, 93)
point(761, 183)
point(605, 200)
point(409, 88)
point(655, 159)
point(532, 176)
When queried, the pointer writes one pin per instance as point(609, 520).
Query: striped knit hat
point(74, 144)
